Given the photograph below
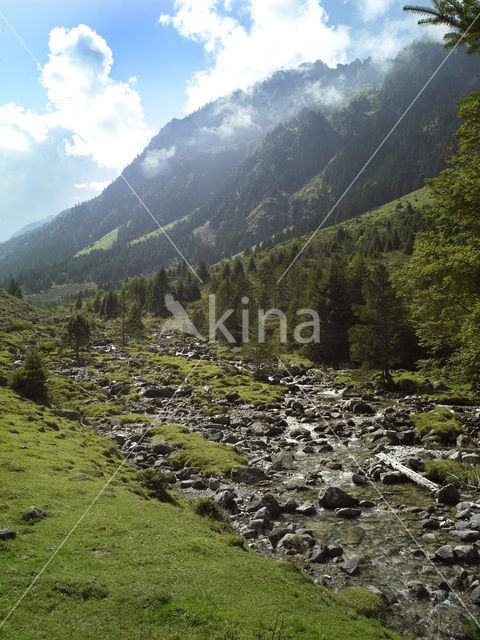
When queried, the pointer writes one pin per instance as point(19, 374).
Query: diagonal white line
point(389, 506)
point(382, 143)
point(92, 504)
point(161, 228)
point(22, 42)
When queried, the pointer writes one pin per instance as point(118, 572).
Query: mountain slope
point(222, 184)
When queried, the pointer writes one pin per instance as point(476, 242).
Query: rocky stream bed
point(316, 492)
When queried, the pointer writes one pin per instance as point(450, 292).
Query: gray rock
point(333, 551)
point(466, 553)
point(445, 554)
point(162, 448)
point(348, 512)
point(277, 534)
point(430, 524)
point(306, 510)
point(282, 461)
point(448, 495)
point(7, 534)
point(359, 407)
point(33, 514)
point(290, 506)
point(465, 535)
point(351, 565)
point(226, 500)
point(316, 555)
point(359, 479)
point(158, 392)
point(67, 413)
point(248, 475)
point(393, 477)
point(263, 514)
point(474, 596)
point(366, 504)
point(186, 473)
point(336, 498)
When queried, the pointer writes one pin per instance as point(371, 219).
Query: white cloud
point(156, 161)
point(373, 9)
point(395, 35)
point(280, 33)
point(101, 118)
point(91, 127)
point(94, 186)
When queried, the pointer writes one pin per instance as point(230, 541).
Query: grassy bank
point(135, 567)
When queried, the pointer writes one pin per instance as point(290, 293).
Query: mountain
point(32, 227)
point(250, 166)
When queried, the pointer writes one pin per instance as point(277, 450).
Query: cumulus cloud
point(373, 9)
point(156, 161)
point(394, 35)
point(90, 128)
point(101, 118)
point(235, 118)
point(270, 35)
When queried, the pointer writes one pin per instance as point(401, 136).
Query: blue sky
point(110, 74)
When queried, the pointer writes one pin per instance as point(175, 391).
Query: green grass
point(104, 243)
point(220, 378)
point(135, 567)
point(453, 472)
point(364, 601)
point(158, 232)
point(208, 457)
point(445, 426)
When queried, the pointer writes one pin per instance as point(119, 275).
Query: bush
point(206, 508)
point(32, 378)
point(156, 482)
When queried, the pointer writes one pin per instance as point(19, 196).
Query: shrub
point(207, 508)
point(156, 482)
point(31, 379)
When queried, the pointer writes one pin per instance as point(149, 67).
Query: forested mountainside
point(266, 163)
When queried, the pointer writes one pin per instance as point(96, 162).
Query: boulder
point(226, 500)
point(248, 475)
point(7, 534)
point(348, 513)
point(34, 514)
point(336, 498)
point(448, 495)
point(351, 565)
point(445, 554)
point(466, 553)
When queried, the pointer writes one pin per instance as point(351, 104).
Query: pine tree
point(459, 16)
point(14, 289)
point(31, 380)
point(375, 341)
point(331, 298)
point(156, 293)
point(78, 333)
point(133, 321)
point(203, 272)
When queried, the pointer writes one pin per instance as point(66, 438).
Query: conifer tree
point(31, 379)
point(78, 333)
point(14, 289)
point(374, 342)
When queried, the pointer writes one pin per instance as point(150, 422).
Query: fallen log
point(412, 475)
